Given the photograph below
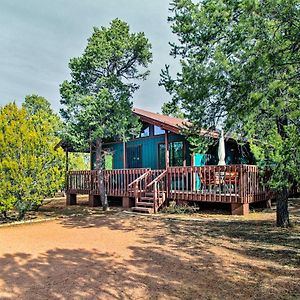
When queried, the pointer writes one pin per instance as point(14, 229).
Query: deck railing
point(115, 181)
point(231, 183)
point(79, 182)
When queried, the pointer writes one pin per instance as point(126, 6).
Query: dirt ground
point(86, 254)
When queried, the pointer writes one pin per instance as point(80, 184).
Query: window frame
point(171, 160)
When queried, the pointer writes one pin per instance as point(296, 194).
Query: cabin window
point(158, 130)
point(175, 154)
point(145, 131)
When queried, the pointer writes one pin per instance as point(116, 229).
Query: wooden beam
point(71, 199)
point(151, 130)
point(184, 153)
point(167, 154)
point(240, 209)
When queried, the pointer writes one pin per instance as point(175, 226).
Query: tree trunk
point(282, 213)
point(99, 167)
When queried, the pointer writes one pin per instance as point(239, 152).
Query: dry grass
point(88, 254)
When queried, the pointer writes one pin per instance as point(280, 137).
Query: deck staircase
point(149, 197)
point(146, 203)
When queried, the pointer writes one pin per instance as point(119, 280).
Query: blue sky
point(37, 39)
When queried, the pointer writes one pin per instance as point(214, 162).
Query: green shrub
point(30, 167)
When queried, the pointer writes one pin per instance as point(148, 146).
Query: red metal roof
point(169, 123)
point(165, 122)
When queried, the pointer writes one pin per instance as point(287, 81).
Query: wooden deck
point(234, 184)
point(228, 184)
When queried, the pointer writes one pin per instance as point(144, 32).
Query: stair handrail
point(156, 189)
point(139, 178)
point(158, 178)
point(136, 183)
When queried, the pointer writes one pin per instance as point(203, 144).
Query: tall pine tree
point(97, 101)
point(240, 69)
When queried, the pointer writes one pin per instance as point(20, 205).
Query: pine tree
point(240, 69)
point(97, 100)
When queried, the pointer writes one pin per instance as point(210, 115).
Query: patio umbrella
point(221, 150)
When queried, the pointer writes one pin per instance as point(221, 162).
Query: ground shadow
point(81, 274)
point(258, 238)
point(172, 259)
point(177, 266)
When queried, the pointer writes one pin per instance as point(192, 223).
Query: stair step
point(145, 210)
point(145, 199)
point(149, 194)
point(148, 204)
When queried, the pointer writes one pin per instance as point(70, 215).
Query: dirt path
point(117, 256)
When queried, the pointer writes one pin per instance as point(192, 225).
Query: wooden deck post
point(94, 200)
point(167, 157)
point(184, 154)
point(71, 199)
point(127, 202)
point(240, 209)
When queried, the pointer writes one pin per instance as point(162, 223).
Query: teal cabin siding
point(149, 153)
point(117, 152)
point(149, 150)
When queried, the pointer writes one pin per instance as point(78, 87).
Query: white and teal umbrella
point(221, 150)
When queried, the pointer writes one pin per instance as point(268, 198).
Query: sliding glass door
point(176, 154)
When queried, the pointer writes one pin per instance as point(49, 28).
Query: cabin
point(159, 166)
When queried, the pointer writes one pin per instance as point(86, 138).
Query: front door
point(134, 157)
